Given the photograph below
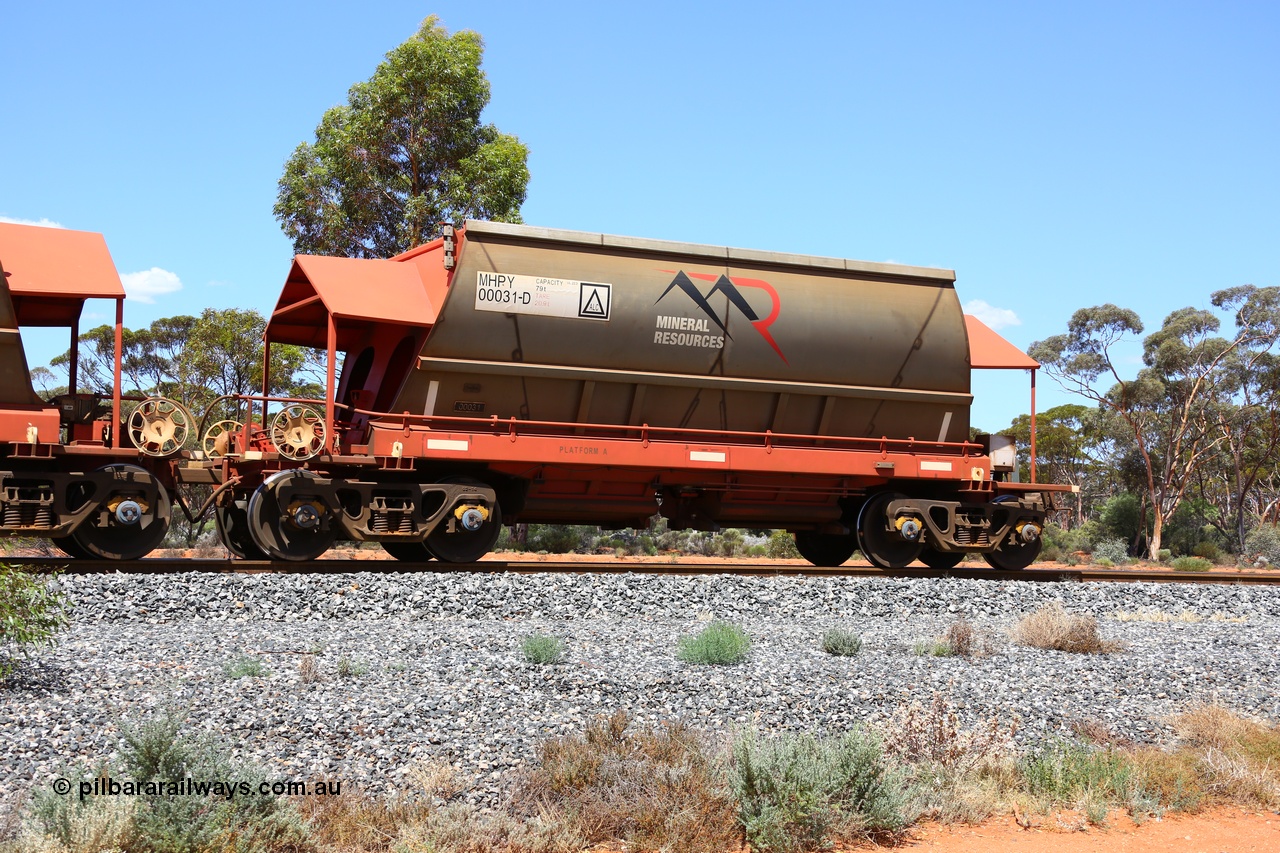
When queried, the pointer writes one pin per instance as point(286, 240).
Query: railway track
point(165, 565)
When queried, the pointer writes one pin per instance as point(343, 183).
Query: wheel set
point(885, 542)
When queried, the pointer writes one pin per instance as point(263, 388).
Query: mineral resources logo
point(688, 328)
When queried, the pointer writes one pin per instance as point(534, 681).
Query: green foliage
point(244, 666)
point(195, 359)
point(838, 641)
point(157, 751)
point(347, 668)
point(782, 546)
point(936, 647)
point(32, 610)
point(1070, 541)
point(1263, 542)
point(1113, 550)
point(1207, 549)
point(406, 153)
point(561, 538)
point(1191, 564)
point(543, 650)
point(800, 793)
point(1120, 517)
point(719, 643)
point(1066, 774)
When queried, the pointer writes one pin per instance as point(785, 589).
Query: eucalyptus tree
point(407, 152)
point(1175, 407)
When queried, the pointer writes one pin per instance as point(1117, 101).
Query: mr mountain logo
point(729, 287)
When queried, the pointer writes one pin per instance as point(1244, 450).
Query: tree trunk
point(1157, 531)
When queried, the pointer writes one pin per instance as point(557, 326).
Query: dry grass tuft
point(1052, 627)
point(308, 671)
point(968, 641)
point(649, 790)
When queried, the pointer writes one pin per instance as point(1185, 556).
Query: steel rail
point(1071, 574)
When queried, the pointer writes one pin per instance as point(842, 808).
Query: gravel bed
point(427, 668)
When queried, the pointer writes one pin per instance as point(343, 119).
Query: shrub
point(543, 650)
point(1163, 555)
point(1263, 542)
point(32, 611)
point(937, 647)
point(782, 546)
point(657, 789)
point(1049, 554)
point(1072, 775)
point(1079, 538)
point(917, 734)
point(800, 793)
point(244, 666)
point(838, 641)
point(719, 643)
point(1208, 550)
point(1111, 549)
point(730, 542)
point(1191, 564)
point(348, 668)
point(1051, 627)
point(156, 751)
point(1120, 516)
point(561, 538)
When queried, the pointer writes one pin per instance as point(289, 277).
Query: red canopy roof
point(355, 290)
point(989, 351)
point(52, 271)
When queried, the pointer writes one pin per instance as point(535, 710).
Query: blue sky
point(1055, 155)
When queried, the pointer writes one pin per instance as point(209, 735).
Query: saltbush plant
point(719, 643)
point(840, 642)
point(1113, 550)
point(542, 650)
point(798, 793)
point(157, 752)
point(32, 610)
point(1263, 544)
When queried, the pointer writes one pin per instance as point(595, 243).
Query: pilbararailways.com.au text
point(106, 786)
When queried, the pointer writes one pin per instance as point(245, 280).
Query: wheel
point(219, 439)
point(233, 529)
point(298, 529)
point(71, 548)
point(408, 552)
point(298, 432)
point(825, 549)
point(941, 560)
point(159, 426)
point(465, 546)
point(1013, 554)
point(132, 519)
point(882, 548)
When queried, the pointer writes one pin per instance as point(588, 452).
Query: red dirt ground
point(1223, 830)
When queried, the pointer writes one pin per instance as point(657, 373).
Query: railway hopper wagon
point(505, 374)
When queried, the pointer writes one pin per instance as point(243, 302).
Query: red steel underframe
point(520, 447)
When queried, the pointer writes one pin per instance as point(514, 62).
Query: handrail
point(645, 432)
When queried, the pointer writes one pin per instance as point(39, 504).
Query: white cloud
point(43, 223)
point(996, 318)
point(147, 285)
